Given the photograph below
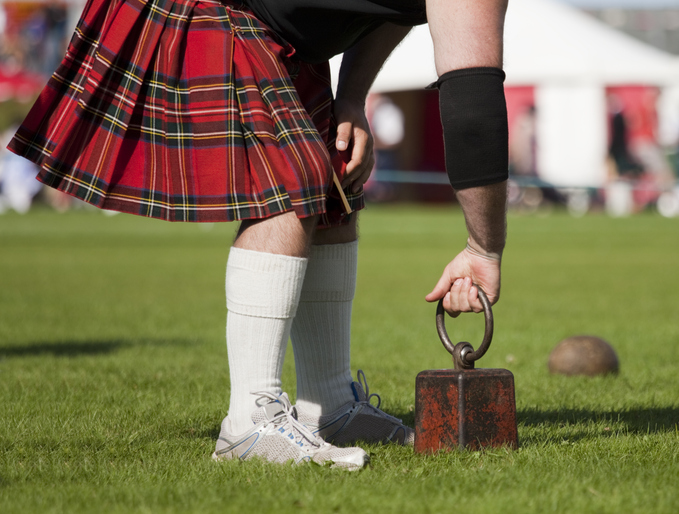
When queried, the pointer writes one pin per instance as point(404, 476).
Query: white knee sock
point(321, 330)
point(262, 293)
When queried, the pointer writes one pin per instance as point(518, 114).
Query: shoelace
point(363, 383)
point(288, 421)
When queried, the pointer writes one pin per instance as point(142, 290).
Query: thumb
point(441, 288)
point(343, 135)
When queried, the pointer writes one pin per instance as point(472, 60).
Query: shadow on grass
point(77, 348)
point(640, 420)
point(408, 418)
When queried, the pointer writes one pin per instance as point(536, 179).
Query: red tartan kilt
point(186, 110)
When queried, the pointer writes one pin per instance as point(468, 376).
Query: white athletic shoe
point(359, 421)
point(277, 436)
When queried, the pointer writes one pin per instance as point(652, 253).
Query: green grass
point(113, 372)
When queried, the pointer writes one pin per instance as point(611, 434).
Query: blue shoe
point(359, 420)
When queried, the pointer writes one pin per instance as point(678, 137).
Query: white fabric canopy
point(545, 42)
point(569, 57)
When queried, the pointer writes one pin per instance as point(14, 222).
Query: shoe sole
point(356, 465)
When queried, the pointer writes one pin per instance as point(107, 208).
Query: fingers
point(362, 160)
point(343, 135)
point(460, 296)
point(474, 301)
point(456, 285)
point(447, 306)
point(353, 135)
point(463, 297)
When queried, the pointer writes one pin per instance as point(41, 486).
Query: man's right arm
point(468, 34)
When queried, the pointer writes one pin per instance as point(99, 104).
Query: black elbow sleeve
point(474, 119)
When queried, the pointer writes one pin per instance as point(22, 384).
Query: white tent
point(548, 42)
point(570, 58)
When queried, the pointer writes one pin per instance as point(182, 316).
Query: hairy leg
point(285, 234)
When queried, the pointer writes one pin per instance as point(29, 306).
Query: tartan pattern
point(186, 110)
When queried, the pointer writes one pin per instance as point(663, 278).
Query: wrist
point(355, 98)
point(475, 249)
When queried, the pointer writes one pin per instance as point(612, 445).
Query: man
point(215, 111)
point(466, 34)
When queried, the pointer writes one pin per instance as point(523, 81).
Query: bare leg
point(285, 234)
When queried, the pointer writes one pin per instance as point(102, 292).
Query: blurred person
point(618, 149)
point(33, 36)
point(387, 124)
point(3, 20)
point(56, 18)
point(44, 36)
point(530, 192)
point(523, 147)
point(648, 150)
point(18, 186)
point(249, 131)
point(634, 148)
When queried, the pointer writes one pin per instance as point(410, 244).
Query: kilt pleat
point(185, 110)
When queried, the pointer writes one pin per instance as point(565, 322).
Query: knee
point(282, 234)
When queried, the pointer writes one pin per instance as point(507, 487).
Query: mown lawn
point(113, 372)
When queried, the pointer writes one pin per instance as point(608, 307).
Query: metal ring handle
point(463, 353)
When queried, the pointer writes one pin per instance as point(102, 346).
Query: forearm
point(363, 61)
point(468, 34)
point(485, 212)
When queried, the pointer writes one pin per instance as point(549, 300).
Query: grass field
point(113, 372)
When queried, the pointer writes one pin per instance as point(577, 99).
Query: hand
point(455, 285)
point(353, 134)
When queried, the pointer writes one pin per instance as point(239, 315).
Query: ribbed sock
point(321, 329)
point(262, 293)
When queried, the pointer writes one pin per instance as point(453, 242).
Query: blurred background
point(33, 39)
point(592, 94)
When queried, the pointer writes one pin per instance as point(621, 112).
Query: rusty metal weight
point(465, 407)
